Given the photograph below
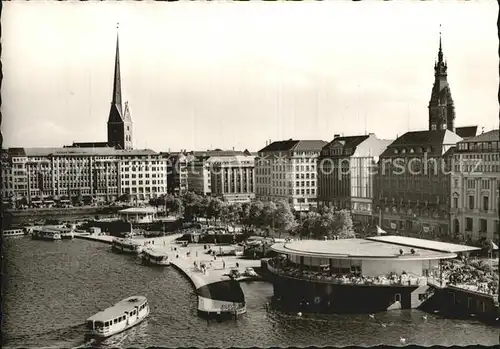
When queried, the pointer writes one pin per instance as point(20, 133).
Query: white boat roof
point(155, 253)
point(118, 309)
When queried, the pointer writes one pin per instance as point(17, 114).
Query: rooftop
point(295, 145)
point(466, 131)
point(387, 247)
point(104, 151)
point(118, 309)
point(490, 136)
point(437, 140)
point(422, 243)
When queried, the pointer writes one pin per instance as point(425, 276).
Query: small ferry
point(118, 318)
point(126, 246)
point(13, 232)
point(66, 233)
point(152, 257)
point(46, 234)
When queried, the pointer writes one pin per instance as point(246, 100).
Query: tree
point(192, 206)
point(255, 213)
point(267, 215)
point(205, 208)
point(308, 225)
point(244, 215)
point(225, 214)
point(215, 208)
point(177, 206)
point(284, 220)
point(234, 214)
point(344, 225)
point(124, 198)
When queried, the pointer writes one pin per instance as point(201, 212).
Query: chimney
point(336, 136)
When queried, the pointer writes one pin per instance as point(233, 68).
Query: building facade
point(412, 193)
point(47, 175)
point(177, 173)
point(475, 188)
point(287, 170)
point(346, 174)
point(233, 178)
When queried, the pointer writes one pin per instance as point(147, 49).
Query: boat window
point(90, 325)
point(115, 321)
point(106, 324)
point(99, 324)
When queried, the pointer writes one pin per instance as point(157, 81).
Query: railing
point(297, 274)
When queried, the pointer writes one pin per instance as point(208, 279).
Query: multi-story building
point(199, 165)
point(346, 174)
point(233, 178)
point(286, 170)
point(177, 172)
point(413, 177)
point(83, 174)
point(413, 183)
point(475, 185)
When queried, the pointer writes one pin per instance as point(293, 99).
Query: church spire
point(115, 114)
point(441, 105)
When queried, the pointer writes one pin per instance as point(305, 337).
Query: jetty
point(219, 295)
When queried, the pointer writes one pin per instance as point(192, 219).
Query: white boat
point(45, 234)
point(13, 232)
point(126, 246)
point(120, 317)
point(66, 233)
point(150, 256)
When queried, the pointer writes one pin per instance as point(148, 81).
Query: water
point(52, 287)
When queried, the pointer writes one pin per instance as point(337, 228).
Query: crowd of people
point(284, 267)
point(471, 275)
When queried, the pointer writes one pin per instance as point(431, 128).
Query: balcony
point(394, 280)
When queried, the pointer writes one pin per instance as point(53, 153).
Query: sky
point(206, 75)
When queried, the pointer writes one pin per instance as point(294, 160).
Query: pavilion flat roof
point(358, 249)
point(138, 210)
point(422, 243)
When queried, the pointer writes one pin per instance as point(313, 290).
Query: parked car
point(249, 272)
point(234, 273)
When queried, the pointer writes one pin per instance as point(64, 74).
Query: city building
point(233, 178)
point(413, 179)
point(286, 170)
point(119, 126)
point(346, 174)
point(177, 172)
point(475, 185)
point(199, 165)
point(48, 175)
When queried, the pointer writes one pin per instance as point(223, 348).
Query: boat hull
point(113, 333)
point(148, 261)
point(316, 297)
point(45, 238)
point(122, 249)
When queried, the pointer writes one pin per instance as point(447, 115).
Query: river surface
point(52, 287)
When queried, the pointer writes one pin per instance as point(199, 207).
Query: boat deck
point(118, 309)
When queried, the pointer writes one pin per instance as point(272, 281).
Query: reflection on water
point(52, 287)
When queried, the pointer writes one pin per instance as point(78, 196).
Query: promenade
point(188, 260)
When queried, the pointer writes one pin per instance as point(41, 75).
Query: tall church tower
point(119, 121)
point(441, 106)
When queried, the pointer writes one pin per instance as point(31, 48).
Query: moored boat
point(45, 234)
point(123, 315)
point(126, 246)
point(152, 257)
point(13, 232)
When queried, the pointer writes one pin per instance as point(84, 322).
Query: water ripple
point(52, 288)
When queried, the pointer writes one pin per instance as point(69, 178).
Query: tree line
point(267, 216)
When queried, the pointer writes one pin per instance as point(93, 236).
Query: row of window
point(483, 225)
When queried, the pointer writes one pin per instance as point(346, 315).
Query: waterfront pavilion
point(138, 214)
point(371, 257)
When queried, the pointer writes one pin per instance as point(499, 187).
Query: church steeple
point(119, 122)
point(441, 106)
point(115, 113)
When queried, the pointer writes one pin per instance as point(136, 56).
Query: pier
point(218, 294)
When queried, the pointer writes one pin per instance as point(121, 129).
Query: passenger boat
point(126, 246)
point(152, 257)
point(118, 318)
point(66, 233)
point(46, 234)
point(13, 232)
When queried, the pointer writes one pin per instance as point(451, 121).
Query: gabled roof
point(466, 131)
point(89, 144)
point(295, 145)
point(109, 151)
point(434, 139)
point(490, 136)
point(349, 141)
